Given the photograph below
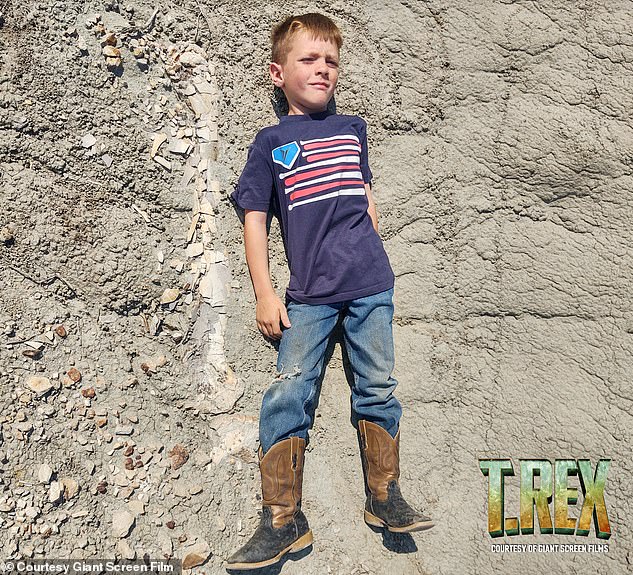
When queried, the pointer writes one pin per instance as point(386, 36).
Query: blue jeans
point(367, 329)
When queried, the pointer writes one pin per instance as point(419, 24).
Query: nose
point(322, 67)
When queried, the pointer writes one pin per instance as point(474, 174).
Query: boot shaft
point(281, 470)
point(381, 457)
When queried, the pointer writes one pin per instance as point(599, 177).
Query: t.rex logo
point(286, 155)
point(553, 485)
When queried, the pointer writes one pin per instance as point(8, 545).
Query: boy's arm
point(371, 210)
point(256, 245)
point(270, 309)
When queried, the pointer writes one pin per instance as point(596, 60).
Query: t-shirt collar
point(304, 117)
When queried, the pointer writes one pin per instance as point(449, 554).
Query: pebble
point(7, 237)
point(88, 141)
point(159, 139)
point(54, 492)
point(192, 59)
point(7, 505)
point(70, 487)
point(179, 456)
point(44, 473)
point(39, 385)
point(122, 522)
point(169, 295)
point(74, 374)
point(123, 430)
point(163, 162)
point(108, 39)
point(111, 52)
point(123, 547)
point(180, 147)
point(195, 555)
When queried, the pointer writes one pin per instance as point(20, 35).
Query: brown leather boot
point(385, 506)
point(283, 527)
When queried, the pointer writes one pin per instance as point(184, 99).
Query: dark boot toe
point(395, 513)
point(268, 544)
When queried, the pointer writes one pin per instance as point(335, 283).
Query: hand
point(270, 311)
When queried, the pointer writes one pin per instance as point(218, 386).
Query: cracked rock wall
point(500, 140)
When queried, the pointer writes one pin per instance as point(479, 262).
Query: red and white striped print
point(330, 168)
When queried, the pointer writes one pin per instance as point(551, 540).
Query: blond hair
point(321, 27)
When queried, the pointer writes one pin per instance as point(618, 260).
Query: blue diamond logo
point(286, 155)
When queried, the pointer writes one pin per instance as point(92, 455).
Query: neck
point(295, 110)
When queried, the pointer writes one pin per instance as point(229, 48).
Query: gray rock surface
point(500, 140)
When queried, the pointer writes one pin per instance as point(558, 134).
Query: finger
point(275, 332)
point(284, 317)
point(270, 330)
point(270, 334)
point(262, 328)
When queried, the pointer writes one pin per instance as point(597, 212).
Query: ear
point(277, 74)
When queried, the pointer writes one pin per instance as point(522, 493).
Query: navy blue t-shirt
point(310, 171)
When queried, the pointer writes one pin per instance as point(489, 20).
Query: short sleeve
point(254, 188)
point(364, 158)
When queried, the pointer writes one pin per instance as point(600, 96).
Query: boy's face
point(309, 75)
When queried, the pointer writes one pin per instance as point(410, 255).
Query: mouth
point(320, 86)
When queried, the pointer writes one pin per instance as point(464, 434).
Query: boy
point(312, 169)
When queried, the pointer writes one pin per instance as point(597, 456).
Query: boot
point(283, 527)
point(385, 506)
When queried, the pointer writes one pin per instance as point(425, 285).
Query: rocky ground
point(131, 368)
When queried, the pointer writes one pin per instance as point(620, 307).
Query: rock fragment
point(88, 141)
point(70, 487)
point(108, 39)
point(39, 385)
point(163, 162)
point(122, 522)
point(44, 473)
point(60, 330)
point(74, 374)
point(159, 140)
point(169, 295)
point(55, 492)
point(179, 456)
point(111, 52)
point(195, 555)
point(191, 59)
point(124, 430)
point(6, 236)
point(123, 547)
